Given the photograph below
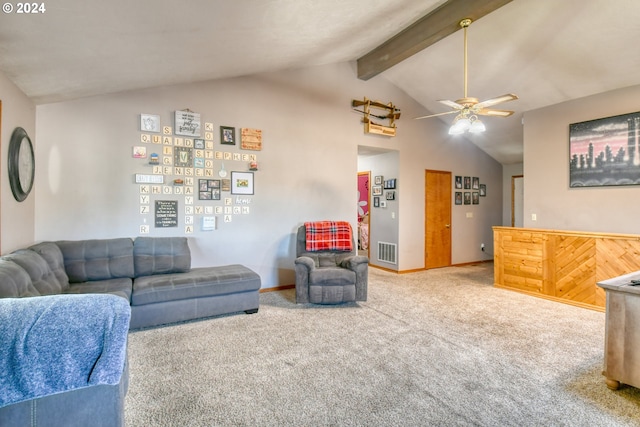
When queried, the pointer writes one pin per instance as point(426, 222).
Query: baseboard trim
point(552, 298)
point(277, 288)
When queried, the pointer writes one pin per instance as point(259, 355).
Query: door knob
point(447, 225)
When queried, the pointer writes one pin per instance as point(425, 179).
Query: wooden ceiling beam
point(429, 29)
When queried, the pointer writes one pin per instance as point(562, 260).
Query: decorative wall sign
point(166, 213)
point(182, 157)
point(187, 123)
point(605, 152)
point(251, 139)
point(149, 123)
point(241, 182)
point(227, 135)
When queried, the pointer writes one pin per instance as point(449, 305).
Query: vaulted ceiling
point(545, 51)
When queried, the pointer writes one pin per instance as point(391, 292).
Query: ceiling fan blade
point(435, 115)
point(492, 112)
point(496, 100)
point(451, 104)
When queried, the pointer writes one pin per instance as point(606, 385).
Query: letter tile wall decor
point(182, 175)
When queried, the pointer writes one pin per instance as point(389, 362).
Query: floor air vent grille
point(387, 252)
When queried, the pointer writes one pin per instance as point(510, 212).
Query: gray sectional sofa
point(66, 308)
point(153, 273)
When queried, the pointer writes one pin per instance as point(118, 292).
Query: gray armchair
point(329, 277)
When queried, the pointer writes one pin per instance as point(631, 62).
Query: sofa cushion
point(161, 255)
point(15, 281)
point(199, 282)
point(120, 287)
point(101, 259)
point(42, 277)
point(52, 254)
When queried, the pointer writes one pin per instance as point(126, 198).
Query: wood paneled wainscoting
point(562, 265)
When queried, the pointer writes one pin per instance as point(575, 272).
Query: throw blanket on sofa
point(328, 236)
point(58, 343)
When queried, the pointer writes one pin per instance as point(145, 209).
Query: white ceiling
point(545, 51)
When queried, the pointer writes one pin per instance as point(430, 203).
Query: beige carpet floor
point(441, 347)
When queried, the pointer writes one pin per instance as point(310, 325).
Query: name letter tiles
point(182, 175)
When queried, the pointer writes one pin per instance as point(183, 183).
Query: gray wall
point(308, 165)
point(17, 219)
point(508, 171)
point(546, 170)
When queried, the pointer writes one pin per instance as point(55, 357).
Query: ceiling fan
point(468, 108)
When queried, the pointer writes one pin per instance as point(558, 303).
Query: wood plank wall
point(562, 265)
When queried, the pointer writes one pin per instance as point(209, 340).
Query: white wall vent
point(387, 252)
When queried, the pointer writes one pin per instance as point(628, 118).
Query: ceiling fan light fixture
point(477, 126)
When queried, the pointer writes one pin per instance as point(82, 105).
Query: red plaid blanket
point(328, 236)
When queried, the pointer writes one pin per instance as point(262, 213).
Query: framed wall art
point(377, 180)
point(242, 183)
point(605, 152)
point(390, 195)
point(149, 123)
point(376, 190)
point(227, 135)
point(467, 197)
point(458, 184)
point(475, 183)
point(187, 123)
point(209, 189)
point(459, 197)
point(483, 190)
point(476, 198)
point(467, 183)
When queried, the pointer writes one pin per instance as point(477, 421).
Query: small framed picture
point(476, 183)
point(390, 195)
point(376, 202)
point(376, 190)
point(198, 144)
point(476, 198)
point(227, 135)
point(149, 123)
point(390, 184)
point(139, 152)
point(377, 180)
point(458, 182)
point(483, 190)
point(467, 183)
point(241, 182)
point(467, 197)
point(459, 196)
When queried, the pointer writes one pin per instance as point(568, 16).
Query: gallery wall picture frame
point(376, 202)
point(227, 135)
point(459, 197)
point(467, 197)
point(390, 184)
point(475, 197)
point(242, 183)
point(458, 182)
point(209, 189)
point(390, 195)
point(604, 152)
point(483, 190)
point(376, 190)
point(467, 183)
point(198, 144)
point(377, 180)
point(149, 123)
point(475, 183)
point(187, 123)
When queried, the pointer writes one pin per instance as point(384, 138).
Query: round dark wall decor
point(21, 164)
